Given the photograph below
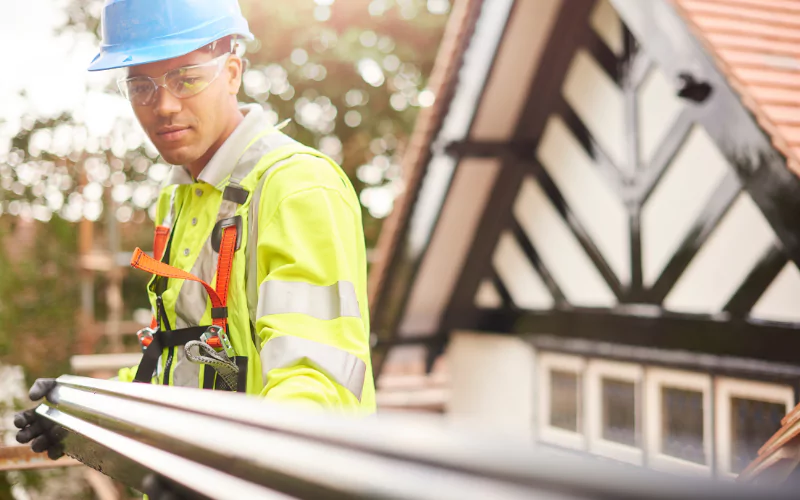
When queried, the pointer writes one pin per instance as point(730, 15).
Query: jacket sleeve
point(312, 296)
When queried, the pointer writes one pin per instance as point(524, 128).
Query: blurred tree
point(350, 74)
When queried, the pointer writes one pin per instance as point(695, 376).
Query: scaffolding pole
point(225, 446)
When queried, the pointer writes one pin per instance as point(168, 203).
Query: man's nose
point(165, 103)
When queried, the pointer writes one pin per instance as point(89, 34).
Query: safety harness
point(215, 336)
point(207, 345)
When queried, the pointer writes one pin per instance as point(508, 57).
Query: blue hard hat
point(144, 31)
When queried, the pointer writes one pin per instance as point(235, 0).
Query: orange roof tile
point(771, 452)
point(756, 43)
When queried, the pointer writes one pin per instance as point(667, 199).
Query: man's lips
point(172, 133)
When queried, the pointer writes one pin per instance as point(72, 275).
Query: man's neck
point(196, 167)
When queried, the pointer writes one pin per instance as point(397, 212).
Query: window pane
point(564, 393)
point(682, 424)
point(619, 412)
point(752, 424)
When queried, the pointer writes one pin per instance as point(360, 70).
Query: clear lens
point(139, 90)
point(186, 82)
point(181, 82)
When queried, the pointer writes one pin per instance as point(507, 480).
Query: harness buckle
point(216, 337)
point(145, 336)
point(219, 228)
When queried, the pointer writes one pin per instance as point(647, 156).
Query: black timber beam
point(721, 336)
point(761, 169)
point(520, 150)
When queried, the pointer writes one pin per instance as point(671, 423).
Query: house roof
point(442, 82)
point(749, 41)
point(756, 43)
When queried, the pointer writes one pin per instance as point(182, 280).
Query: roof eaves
point(443, 81)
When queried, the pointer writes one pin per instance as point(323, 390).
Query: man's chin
point(177, 156)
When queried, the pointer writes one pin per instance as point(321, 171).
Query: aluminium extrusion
point(126, 438)
point(220, 443)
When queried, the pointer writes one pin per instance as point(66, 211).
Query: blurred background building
point(591, 209)
point(599, 243)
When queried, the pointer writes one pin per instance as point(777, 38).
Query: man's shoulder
point(305, 171)
point(299, 168)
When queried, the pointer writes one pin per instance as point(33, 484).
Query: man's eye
point(138, 87)
point(188, 81)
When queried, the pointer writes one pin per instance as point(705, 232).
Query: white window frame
point(728, 388)
point(655, 380)
point(548, 362)
point(596, 371)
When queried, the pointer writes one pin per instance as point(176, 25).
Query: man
point(259, 275)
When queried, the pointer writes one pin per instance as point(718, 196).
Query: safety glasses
point(182, 82)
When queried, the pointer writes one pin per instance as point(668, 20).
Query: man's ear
point(233, 70)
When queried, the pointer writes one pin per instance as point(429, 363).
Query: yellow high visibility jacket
point(297, 300)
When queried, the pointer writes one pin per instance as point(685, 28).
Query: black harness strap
point(209, 377)
point(161, 340)
point(241, 381)
point(179, 338)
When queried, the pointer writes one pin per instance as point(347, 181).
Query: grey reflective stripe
point(169, 218)
point(322, 302)
point(251, 281)
point(345, 368)
point(252, 240)
point(191, 303)
point(185, 373)
point(250, 158)
point(192, 298)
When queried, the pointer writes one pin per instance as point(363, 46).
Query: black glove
point(43, 434)
point(158, 488)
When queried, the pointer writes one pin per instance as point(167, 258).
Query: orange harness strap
point(227, 249)
point(219, 297)
point(160, 241)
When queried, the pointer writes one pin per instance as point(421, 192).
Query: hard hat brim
point(113, 59)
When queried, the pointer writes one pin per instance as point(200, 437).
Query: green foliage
point(39, 299)
point(352, 83)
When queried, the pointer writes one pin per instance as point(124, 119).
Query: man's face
point(184, 130)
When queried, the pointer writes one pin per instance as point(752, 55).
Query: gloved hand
point(157, 488)
point(43, 434)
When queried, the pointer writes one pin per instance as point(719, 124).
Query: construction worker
point(259, 267)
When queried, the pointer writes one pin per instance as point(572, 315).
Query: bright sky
point(51, 69)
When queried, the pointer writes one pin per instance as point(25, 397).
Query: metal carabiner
point(223, 341)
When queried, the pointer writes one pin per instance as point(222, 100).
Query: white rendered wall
point(492, 383)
